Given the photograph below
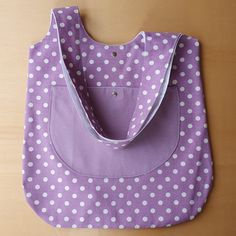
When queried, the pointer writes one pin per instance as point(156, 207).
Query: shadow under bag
point(115, 135)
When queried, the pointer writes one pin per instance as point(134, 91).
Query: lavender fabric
point(115, 135)
point(160, 137)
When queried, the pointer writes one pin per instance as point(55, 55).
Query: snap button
point(114, 54)
point(114, 93)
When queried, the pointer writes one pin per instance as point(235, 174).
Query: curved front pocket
point(76, 147)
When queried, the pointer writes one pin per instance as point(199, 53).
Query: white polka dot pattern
point(173, 192)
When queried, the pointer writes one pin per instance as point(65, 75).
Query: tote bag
point(115, 135)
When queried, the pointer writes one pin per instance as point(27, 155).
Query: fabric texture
point(115, 135)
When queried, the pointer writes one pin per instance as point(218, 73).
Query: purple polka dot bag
point(115, 135)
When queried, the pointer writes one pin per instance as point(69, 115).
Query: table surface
point(212, 22)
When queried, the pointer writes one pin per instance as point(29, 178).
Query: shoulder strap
point(156, 85)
